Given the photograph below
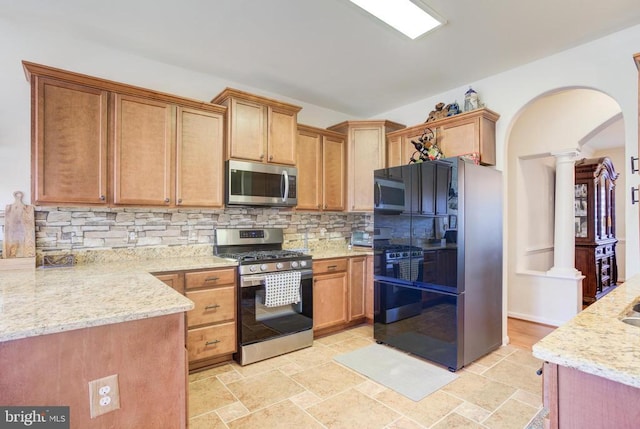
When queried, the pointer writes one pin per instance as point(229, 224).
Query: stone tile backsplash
point(72, 229)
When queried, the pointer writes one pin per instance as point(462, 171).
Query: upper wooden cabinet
point(258, 128)
point(321, 169)
point(101, 142)
point(400, 150)
point(199, 160)
point(142, 151)
point(366, 150)
point(468, 133)
point(69, 142)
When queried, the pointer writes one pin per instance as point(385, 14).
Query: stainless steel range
point(275, 293)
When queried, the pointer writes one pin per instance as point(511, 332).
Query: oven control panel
point(251, 233)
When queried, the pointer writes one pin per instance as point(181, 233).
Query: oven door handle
point(259, 279)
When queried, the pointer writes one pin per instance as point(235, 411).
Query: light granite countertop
point(596, 341)
point(51, 300)
point(109, 289)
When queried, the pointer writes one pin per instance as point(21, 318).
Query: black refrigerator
point(438, 260)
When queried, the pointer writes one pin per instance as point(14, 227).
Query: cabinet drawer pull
point(332, 267)
point(212, 306)
point(211, 279)
point(210, 343)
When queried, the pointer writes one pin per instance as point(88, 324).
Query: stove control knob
point(279, 265)
point(263, 267)
point(253, 268)
point(303, 263)
point(294, 264)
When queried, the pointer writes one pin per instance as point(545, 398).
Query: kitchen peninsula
point(592, 369)
point(61, 328)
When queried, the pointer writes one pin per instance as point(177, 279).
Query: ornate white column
point(564, 234)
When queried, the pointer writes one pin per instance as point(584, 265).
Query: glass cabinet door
point(581, 210)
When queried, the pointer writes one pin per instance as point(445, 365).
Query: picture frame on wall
point(453, 222)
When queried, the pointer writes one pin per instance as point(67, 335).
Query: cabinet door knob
point(102, 198)
point(166, 200)
point(180, 201)
point(262, 156)
point(271, 158)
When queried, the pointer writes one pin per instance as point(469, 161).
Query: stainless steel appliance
point(441, 298)
point(268, 329)
point(388, 194)
point(257, 184)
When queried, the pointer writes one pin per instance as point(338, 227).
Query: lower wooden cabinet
point(342, 293)
point(211, 341)
point(576, 399)
point(330, 284)
point(175, 280)
point(211, 324)
point(357, 278)
point(368, 290)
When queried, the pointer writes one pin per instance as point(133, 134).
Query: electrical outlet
point(104, 395)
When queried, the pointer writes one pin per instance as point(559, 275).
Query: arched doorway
point(559, 123)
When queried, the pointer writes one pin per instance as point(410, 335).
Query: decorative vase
point(471, 101)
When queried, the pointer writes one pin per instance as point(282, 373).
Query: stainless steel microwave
point(388, 195)
point(256, 184)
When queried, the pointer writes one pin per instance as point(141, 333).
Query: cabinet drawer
point(210, 278)
point(329, 266)
point(211, 341)
point(430, 256)
point(211, 305)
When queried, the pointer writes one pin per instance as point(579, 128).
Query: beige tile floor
point(307, 389)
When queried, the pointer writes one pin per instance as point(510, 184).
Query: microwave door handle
point(285, 175)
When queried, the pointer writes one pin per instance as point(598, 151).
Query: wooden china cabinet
point(595, 226)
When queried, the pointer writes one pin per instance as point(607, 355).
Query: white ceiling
point(328, 52)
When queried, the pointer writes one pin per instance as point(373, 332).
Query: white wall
point(52, 48)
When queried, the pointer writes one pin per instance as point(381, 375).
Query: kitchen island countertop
point(596, 341)
point(51, 300)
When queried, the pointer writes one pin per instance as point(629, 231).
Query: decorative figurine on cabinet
point(453, 109)
point(439, 112)
point(426, 148)
point(471, 101)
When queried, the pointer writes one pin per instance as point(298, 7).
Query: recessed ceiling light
point(403, 15)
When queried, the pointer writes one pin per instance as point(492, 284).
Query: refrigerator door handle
point(377, 196)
